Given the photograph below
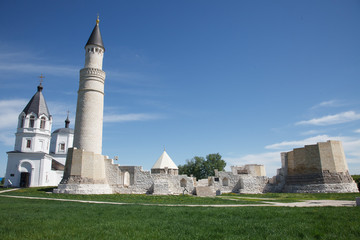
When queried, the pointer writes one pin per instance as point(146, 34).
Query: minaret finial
point(97, 20)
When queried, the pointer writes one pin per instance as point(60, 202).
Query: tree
point(214, 161)
point(201, 168)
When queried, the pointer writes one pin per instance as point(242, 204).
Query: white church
point(39, 156)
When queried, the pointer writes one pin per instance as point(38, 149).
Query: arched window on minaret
point(32, 121)
point(43, 122)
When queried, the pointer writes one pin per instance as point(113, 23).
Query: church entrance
point(25, 179)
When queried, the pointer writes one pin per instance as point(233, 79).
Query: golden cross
point(41, 78)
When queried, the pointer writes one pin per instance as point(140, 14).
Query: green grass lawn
point(294, 197)
point(39, 219)
point(188, 199)
point(129, 198)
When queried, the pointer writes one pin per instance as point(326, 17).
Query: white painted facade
point(33, 163)
point(36, 165)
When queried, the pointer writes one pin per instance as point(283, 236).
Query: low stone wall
point(321, 188)
point(170, 184)
point(251, 184)
point(227, 182)
point(141, 182)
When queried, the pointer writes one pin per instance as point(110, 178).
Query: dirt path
point(309, 203)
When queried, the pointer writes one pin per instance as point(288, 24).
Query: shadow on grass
point(50, 189)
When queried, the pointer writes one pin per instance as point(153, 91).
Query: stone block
point(204, 191)
point(358, 201)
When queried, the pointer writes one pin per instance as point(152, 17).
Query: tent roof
point(164, 161)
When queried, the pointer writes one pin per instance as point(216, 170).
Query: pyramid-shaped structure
point(164, 161)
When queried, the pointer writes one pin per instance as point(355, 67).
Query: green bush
point(357, 180)
point(2, 182)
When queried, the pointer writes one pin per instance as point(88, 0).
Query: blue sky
point(247, 79)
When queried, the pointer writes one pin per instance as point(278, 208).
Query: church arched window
point(32, 121)
point(22, 123)
point(28, 143)
point(43, 122)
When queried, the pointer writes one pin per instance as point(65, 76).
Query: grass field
point(294, 197)
point(130, 198)
point(180, 199)
point(40, 219)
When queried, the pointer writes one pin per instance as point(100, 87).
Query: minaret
point(85, 166)
point(90, 103)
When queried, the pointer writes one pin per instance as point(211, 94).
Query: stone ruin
point(314, 168)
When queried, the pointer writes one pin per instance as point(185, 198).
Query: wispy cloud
point(131, 117)
point(311, 132)
point(331, 103)
point(57, 70)
point(357, 131)
point(28, 62)
point(300, 143)
point(10, 110)
point(332, 119)
point(350, 144)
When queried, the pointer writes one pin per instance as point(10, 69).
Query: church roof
point(64, 130)
point(164, 161)
point(95, 37)
point(37, 104)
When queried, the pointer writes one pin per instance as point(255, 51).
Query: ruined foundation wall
point(165, 184)
point(228, 182)
point(249, 169)
point(322, 188)
point(314, 168)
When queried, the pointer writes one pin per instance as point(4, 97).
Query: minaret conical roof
point(95, 37)
point(164, 161)
point(37, 104)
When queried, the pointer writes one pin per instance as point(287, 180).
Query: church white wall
point(37, 164)
point(39, 137)
point(57, 139)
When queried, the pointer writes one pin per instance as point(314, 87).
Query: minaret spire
point(95, 37)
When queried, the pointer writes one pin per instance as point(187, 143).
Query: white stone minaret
point(85, 166)
point(90, 103)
